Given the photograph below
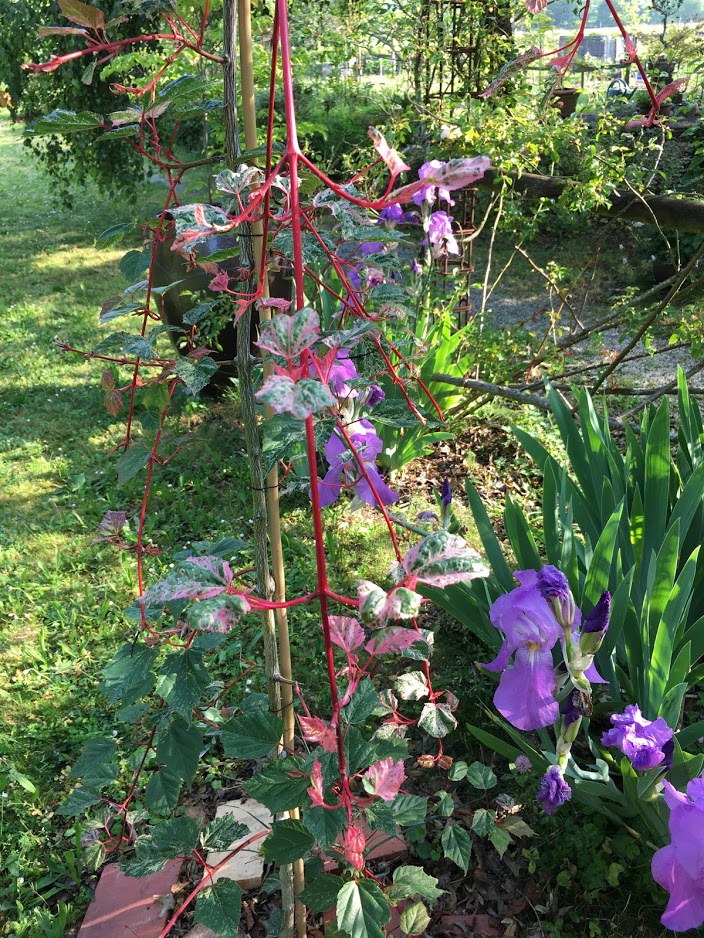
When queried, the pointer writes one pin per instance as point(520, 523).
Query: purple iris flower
point(344, 468)
point(440, 235)
point(371, 247)
point(554, 790)
point(342, 371)
point(679, 867)
point(642, 741)
point(427, 193)
point(525, 695)
point(393, 214)
point(416, 268)
point(446, 494)
point(375, 395)
point(552, 583)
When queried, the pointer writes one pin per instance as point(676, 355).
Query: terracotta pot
point(566, 100)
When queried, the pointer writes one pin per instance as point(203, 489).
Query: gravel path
point(532, 314)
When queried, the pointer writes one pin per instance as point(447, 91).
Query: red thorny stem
point(292, 154)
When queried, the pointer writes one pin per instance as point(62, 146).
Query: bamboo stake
point(249, 120)
point(265, 583)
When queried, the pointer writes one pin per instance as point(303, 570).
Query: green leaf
point(490, 542)
point(656, 495)
point(78, 802)
point(362, 910)
point(64, 122)
point(411, 686)
point(283, 438)
point(195, 374)
point(128, 677)
point(414, 919)
point(321, 894)
point(96, 753)
point(288, 841)
point(500, 838)
point(410, 881)
point(134, 263)
point(324, 825)
point(364, 702)
point(131, 461)
point(179, 835)
point(114, 234)
point(252, 735)
point(483, 821)
point(457, 845)
point(280, 785)
point(437, 720)
point(179, 748)
point(458, 771)
point(219, 908)
point(162, 791)
point(408, 810)
point(182, 681)
point(147, 859)
point(445, 805)
point(481, 776)
point(222, 832)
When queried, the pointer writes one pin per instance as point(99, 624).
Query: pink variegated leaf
point(391, 157)
point(300, 398)
point(631, 50)
point(384, 779)
point(112, 523)
point(392, 640)
point(441, 559)
point(346, 632)
point(218, 569)
point(287, 336)
point(401, 603)
point(220, 282)
point(315, 792)
point(510, 69)
point(456, 174)
point(218, 614)
point(274, 302)
point(60, 31)
point(353, 848)
point(536, 6)
point(670, 89)
point(318, 731)
point(82, 13)
point(561, 62)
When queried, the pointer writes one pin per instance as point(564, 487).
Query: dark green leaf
point(364, 702)
point(324, 825)
point(179, 748)
point(362, 910)
point(219, 908)
point(78, 802)
point(162, 791)
point(321, 894)
point(131, 461)
point(128, 677)
point(147, 859)
point(114, 234)
point(64, 122)
point(281, 785)
point(483, 821)
point(288, 841)
point(480, 776)
point(96, 753)
point(411, 881)
point(182, 681)
point(177, 836)
point(457, 845)
point(195, 374)
point(252, 735)
point(221, 833)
